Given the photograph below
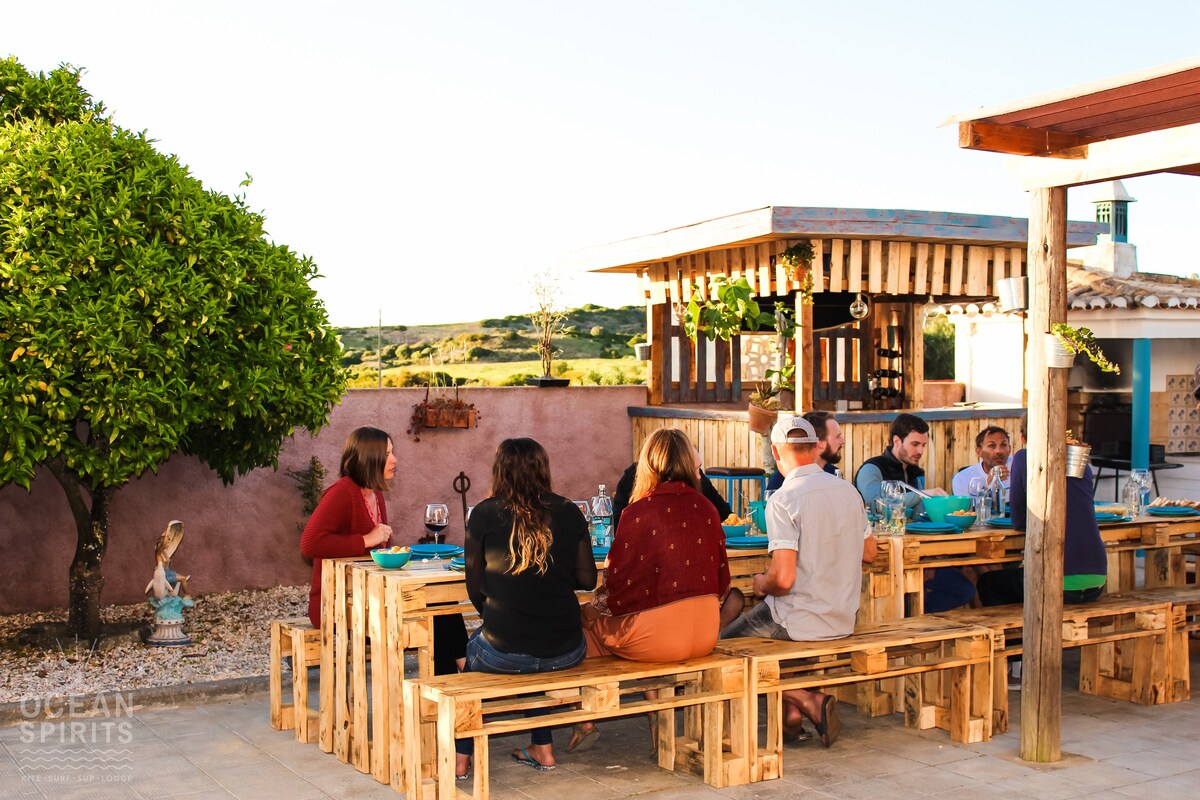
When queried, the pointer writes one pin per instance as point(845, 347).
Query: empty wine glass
point(977, 488)
point(437, 517)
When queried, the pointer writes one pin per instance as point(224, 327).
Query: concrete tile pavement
point(228, 750)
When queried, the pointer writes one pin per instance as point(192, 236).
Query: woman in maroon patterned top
point(667, 570)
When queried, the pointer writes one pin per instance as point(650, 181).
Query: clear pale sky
point(431, 156)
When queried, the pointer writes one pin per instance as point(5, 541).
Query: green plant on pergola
point(141, 315)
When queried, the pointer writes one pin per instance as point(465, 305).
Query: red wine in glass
point(437, 517)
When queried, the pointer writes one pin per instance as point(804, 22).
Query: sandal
point(522, 757)
point(830, 725)
point(582, 739)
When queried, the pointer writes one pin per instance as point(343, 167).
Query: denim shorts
point(756, 622)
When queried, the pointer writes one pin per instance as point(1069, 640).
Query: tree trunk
point(85, 580)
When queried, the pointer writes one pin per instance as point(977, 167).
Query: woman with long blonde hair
point(667, 571)
point(527, 551)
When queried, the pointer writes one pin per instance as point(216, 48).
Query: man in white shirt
point(819, 539)
point(994, 450)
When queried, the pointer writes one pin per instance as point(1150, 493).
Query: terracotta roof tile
point(1089, 290)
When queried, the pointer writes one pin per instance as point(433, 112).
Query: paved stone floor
point(228, 750)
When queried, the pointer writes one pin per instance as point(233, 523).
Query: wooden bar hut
point(897, 261)
point(1138, 124)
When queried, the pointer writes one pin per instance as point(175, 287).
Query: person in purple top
point(1085, 562)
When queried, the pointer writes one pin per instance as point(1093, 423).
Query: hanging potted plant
point(796, 258)
point(1065, 342)
point(1078, 456)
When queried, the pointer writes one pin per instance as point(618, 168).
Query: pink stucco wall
point(245, 535)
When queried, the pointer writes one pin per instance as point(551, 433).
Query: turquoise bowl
point(390, 560)
point(961, 521)
point(735, 530)
point(938, 507)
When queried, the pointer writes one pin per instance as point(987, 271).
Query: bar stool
point(735, 480)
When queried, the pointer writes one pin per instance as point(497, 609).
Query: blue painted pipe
point(1139, 455)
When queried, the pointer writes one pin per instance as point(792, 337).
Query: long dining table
point(893, 584)
point(371, 618)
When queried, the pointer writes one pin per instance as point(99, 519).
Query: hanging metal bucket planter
point(1057, 355)
point(1011, 294)
point(1078, 458)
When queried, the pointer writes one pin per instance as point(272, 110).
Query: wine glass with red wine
point(437, 517)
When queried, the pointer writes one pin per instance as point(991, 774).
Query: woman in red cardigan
point(351, 518)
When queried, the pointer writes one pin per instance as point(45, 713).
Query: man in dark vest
point(945, 588)
point(910, 436)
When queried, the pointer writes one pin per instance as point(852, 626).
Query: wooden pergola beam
point(1170, 150)
point(1021, 141)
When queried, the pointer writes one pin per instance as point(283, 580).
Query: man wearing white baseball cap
point(819, 538)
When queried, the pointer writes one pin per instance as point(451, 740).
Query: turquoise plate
point(1000, 522)
point(599, 553)
point(745, 541)
point(1107, 516)
point(931, 527)
point(1173, 511)
point(1116, 521)
point(436, 550)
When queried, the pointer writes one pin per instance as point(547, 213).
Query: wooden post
point(658, 326)
point(803, 376)
point(914, 357)
point(1041, 692)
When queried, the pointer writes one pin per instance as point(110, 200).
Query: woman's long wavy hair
point(520, 481)
point(666, 456)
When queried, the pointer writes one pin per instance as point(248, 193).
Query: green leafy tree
point(141, 315)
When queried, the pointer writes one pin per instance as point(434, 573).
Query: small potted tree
point(796, 258)
point(547, 319)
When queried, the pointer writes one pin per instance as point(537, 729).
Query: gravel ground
point(230, 633)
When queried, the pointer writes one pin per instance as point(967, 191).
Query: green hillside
point(594, 346)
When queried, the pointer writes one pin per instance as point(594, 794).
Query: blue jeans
point(483, 657)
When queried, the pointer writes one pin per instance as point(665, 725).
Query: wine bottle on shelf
point(887, 373)
point(886, 353)
point(885, 391)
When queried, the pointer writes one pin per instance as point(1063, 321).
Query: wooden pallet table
point(1123, 640)
point(945, 668)
point(476, 705)
point(894, 583)
point(372, 617)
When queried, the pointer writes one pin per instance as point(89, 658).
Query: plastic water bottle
point(602, 518)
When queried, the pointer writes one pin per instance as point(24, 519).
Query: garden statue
point(168, 591)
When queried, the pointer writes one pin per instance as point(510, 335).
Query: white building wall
point(989, 357)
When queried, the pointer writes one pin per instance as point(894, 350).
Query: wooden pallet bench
point(920, 651)
point(1184, 619)
point(476, 705)
point(296, 638)
point(1123, 641)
